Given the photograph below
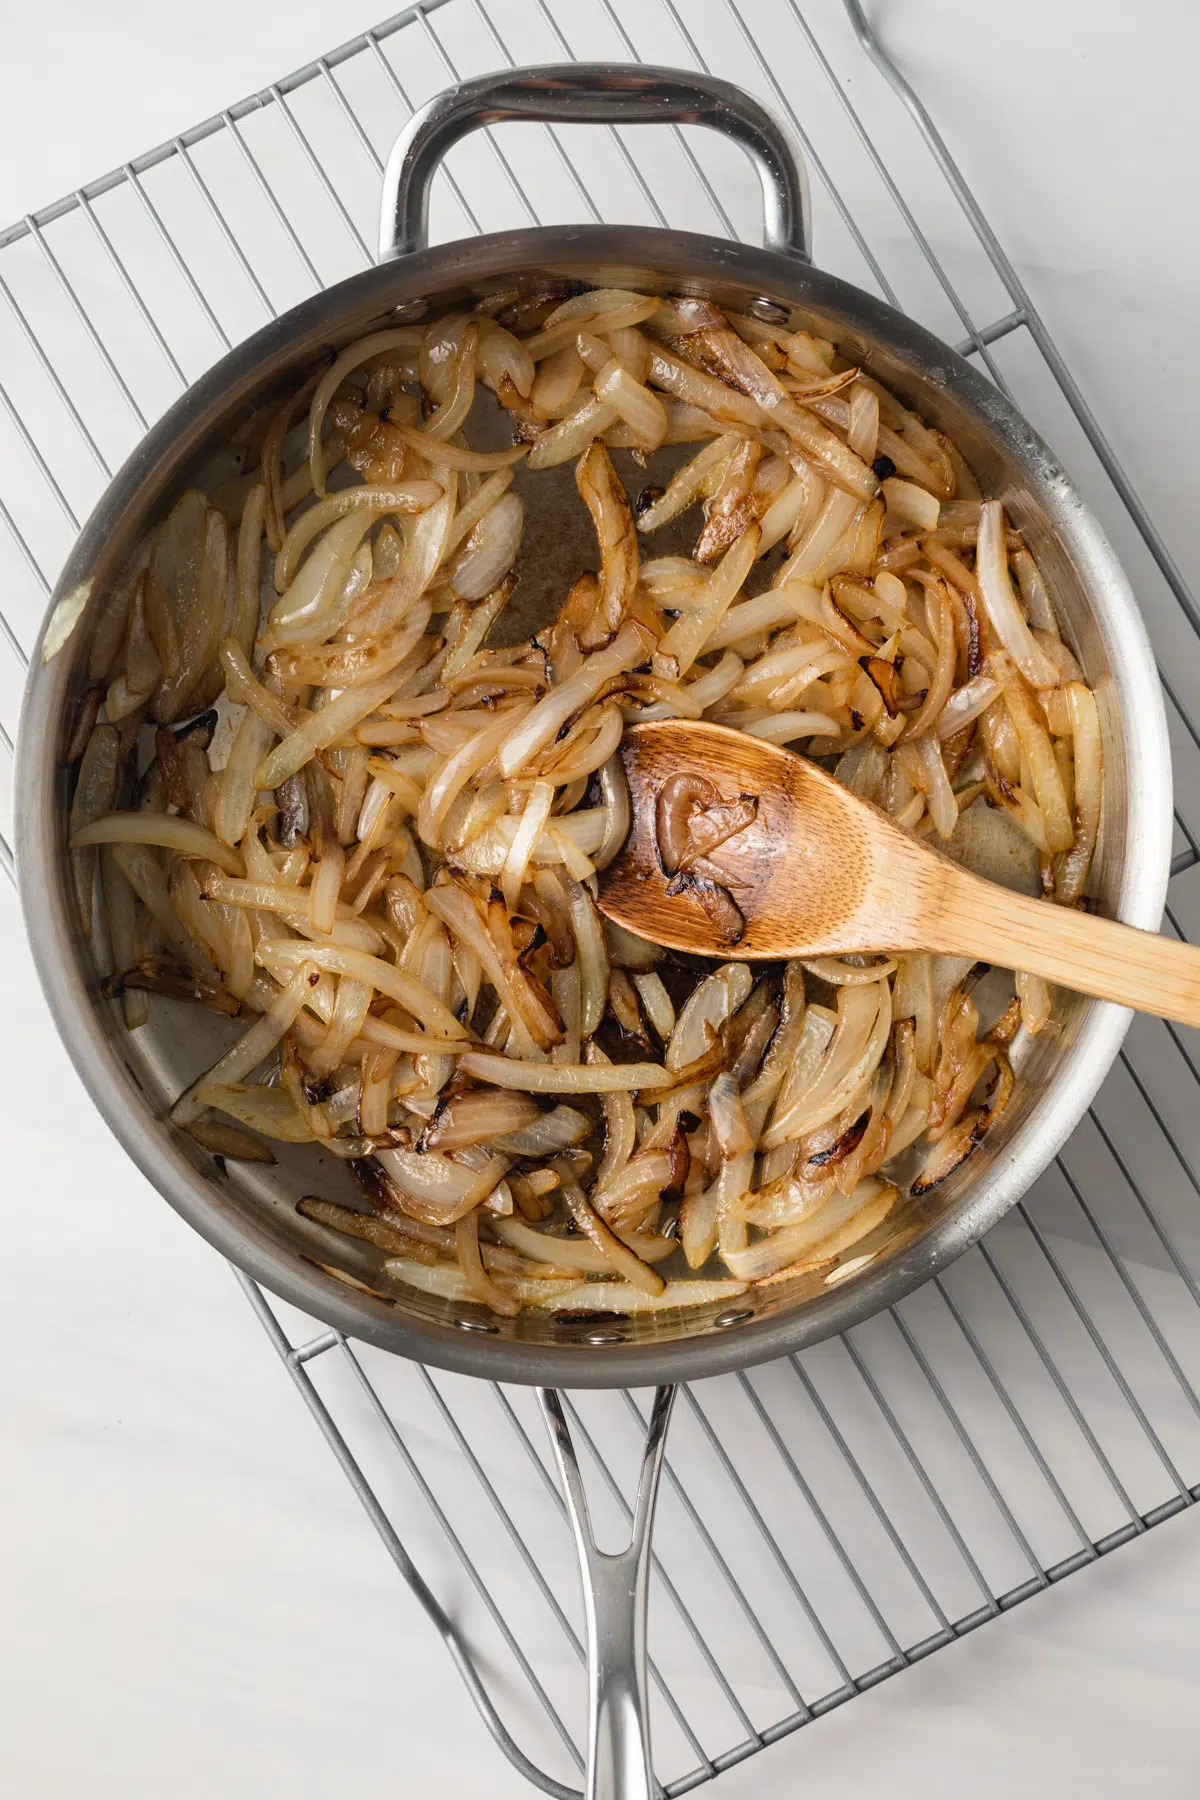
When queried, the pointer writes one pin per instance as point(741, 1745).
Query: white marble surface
point(193, 1603)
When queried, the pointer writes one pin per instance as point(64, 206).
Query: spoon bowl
point(813, 870)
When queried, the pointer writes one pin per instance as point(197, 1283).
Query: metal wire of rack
point(831, 1519)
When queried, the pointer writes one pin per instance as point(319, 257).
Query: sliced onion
point(742, 366)
point(466, 1243)
point(529, 830)
point(557, 381)
point(914, 504)
point(843, 1220)
point(1071, 872)
point(727, 1117)
point(560, 443)
point(319, 582)
point(491, 549)
point(1039, 754)
point(576, 1253)
point(564, 1078)
point(457, 397)
point(420, 560)
point(656, 1002)
point(939, 795)
point(532, 1029)
point(965, 706)
point(641, 410)
point(621, 1258)
point(794, 508)
point(623, 1297)
point(438, 1189)
point(268, 1110)
point(1036, 1006)
point(715, 1000)
point(628, 648)
point(701, 1213)
point(562, 1128)
point(863, 435)
point(448, 781)
point(376, 343)
point(456, 456)
point(340, 960)
point(320, 728)
point(690, 633)
point(991, 572)
point(685, 487)
point(182, 836)
point(864, 1023)
point(1033, 593)
point(408, 497)
point(503, 357)
point(477, 1118)
point(257, 1044)
point(786, 727)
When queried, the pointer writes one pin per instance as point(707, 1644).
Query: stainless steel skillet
point(252, 1219)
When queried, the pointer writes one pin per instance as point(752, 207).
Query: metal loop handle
point(615, 1589)
point(600, 94)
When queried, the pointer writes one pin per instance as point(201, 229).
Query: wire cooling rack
point(829, 1519)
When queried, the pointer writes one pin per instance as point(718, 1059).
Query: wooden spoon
point(819, 872)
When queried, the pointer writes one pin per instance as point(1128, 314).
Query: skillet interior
point(247, 1211)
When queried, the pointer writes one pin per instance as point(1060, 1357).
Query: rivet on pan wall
point(770, 312)
point(735, 1316)
point(477, 1325)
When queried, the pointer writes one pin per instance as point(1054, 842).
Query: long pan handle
point(614, 1596)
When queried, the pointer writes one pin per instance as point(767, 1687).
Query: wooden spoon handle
point(1074, 949)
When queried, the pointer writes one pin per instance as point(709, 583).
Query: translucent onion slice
point(268, 1110)
point(319, 581)
point(1004, 615)
point(1071, 871)
point(715, 1000)
point(491, 549)
point(629, 647)
point(914, 504)
point(456, 456)
point(561, 443)
point(690, 633)
point(440, 1189)
point(556, 381)
point(623, 1297)
point(641, 410)
point(320, 728)
point(564, 1078)
point(965, 705)
point(577, 1254)
point(183, 836)
point(843, 1220)
point(562, 1128)
point(408, 497)
point(864, 1023)
point(376, 343)
point(686, 486)
point(257, 1044)
point(383, 977)
point(621, 1258)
